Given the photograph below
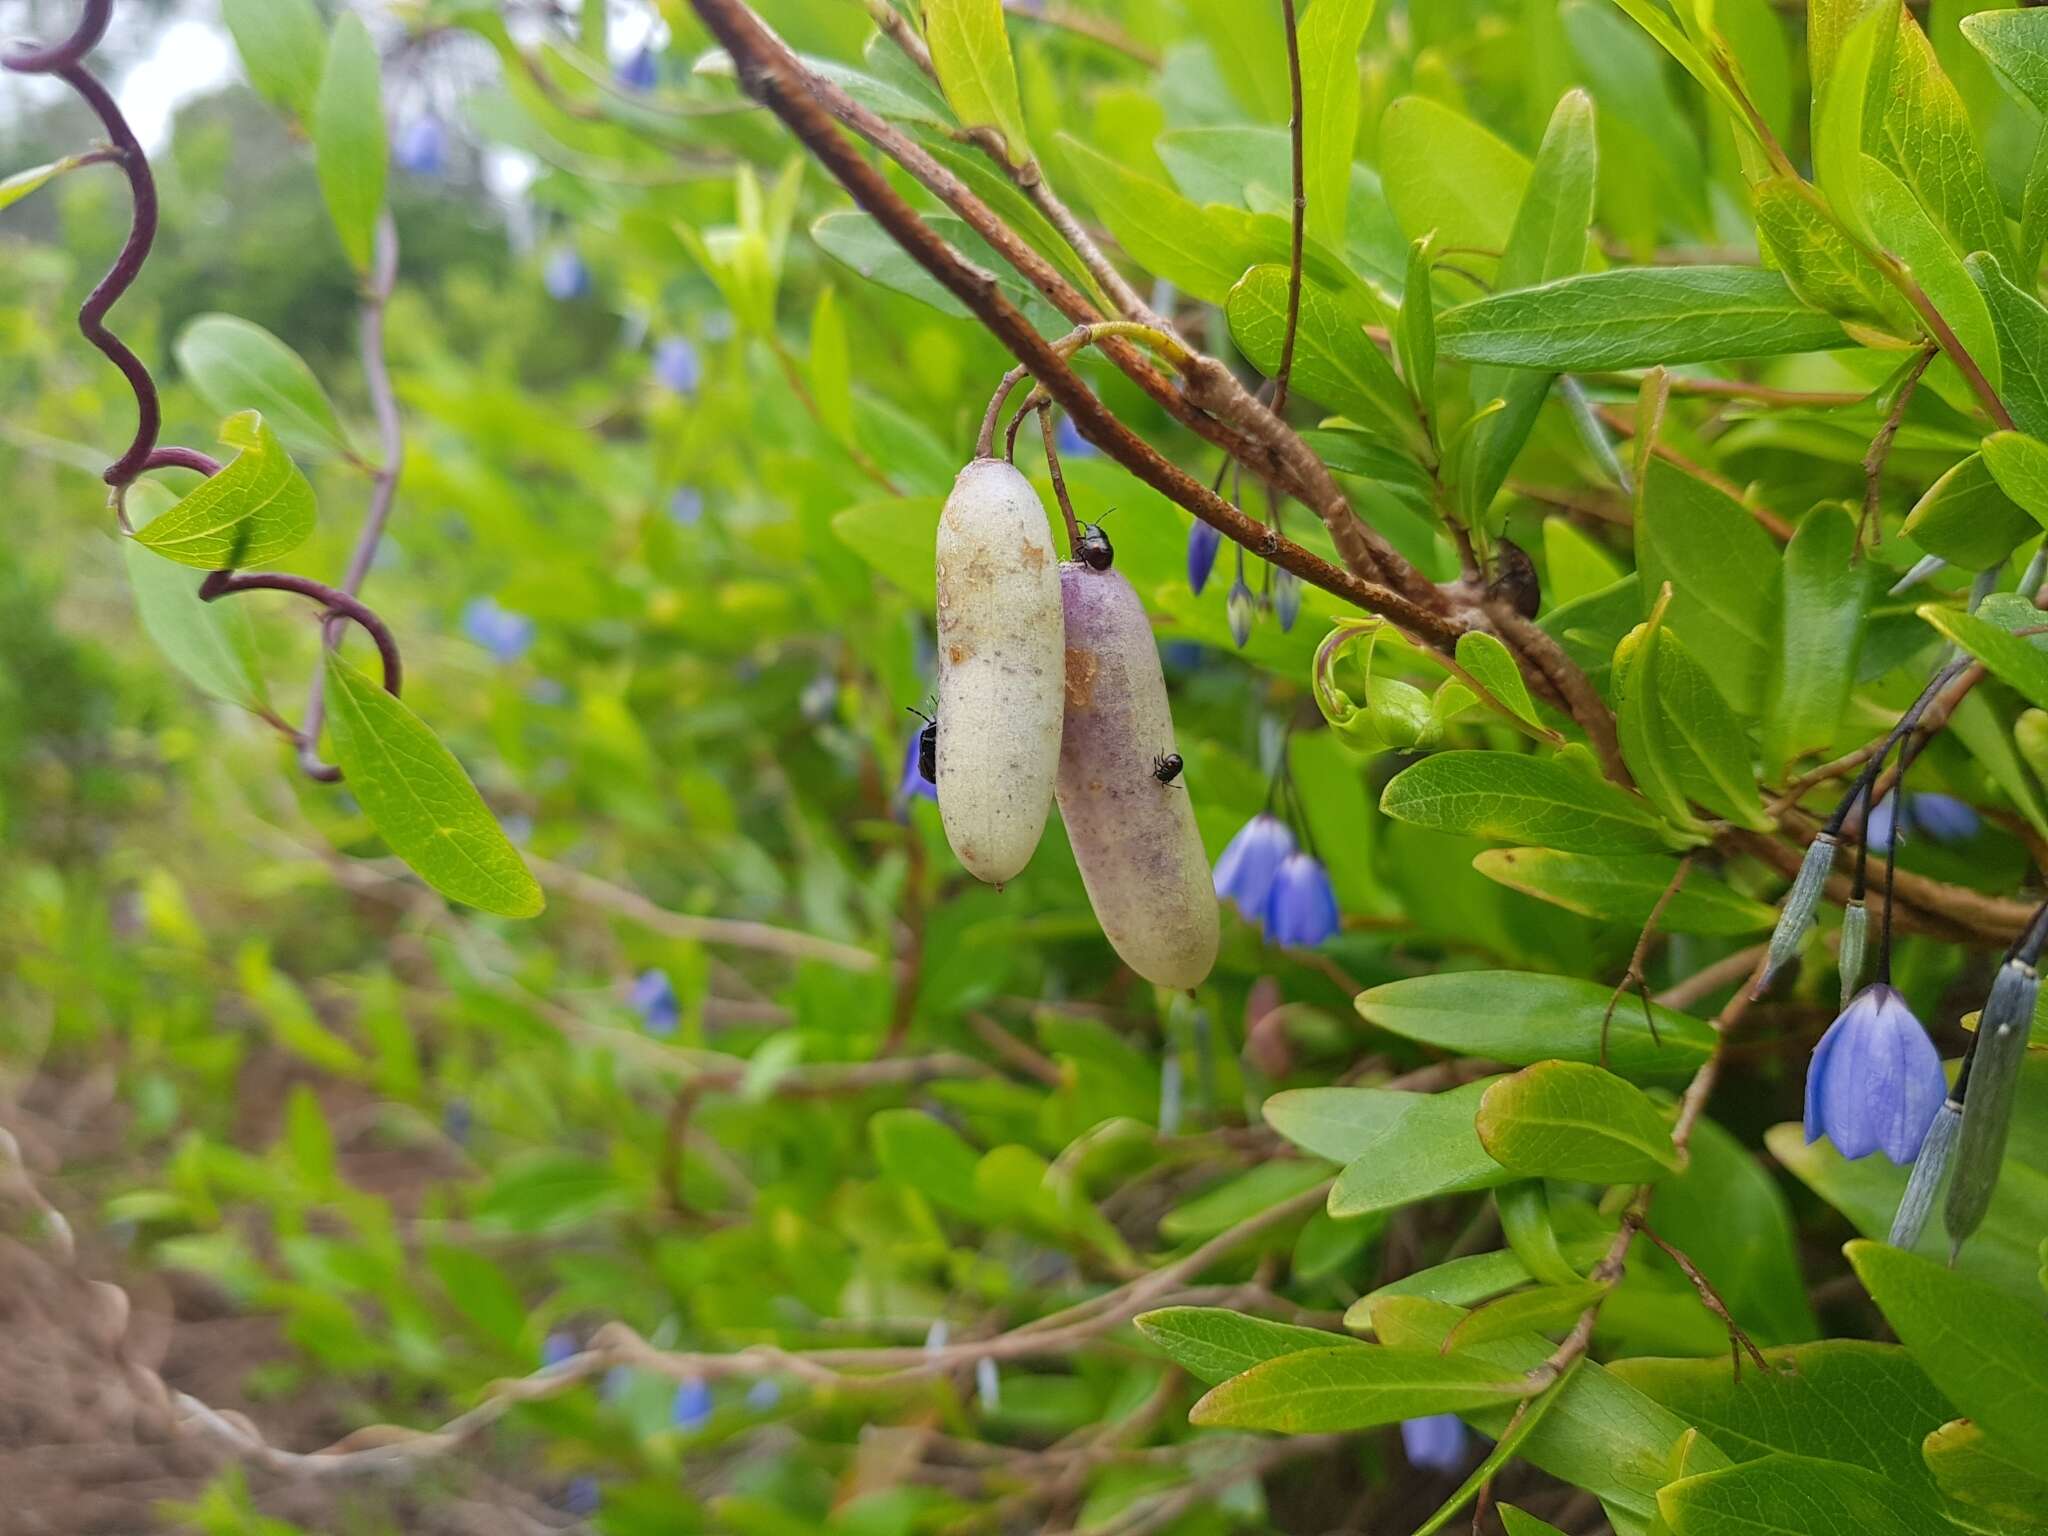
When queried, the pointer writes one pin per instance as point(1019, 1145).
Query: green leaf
point(1470, 209)
point(349, 150)
point(1329, 39)
point(1972, 1468)
point(2021, 326)
point(1522, 1523)
point(1522, 799)
point(1339, 1124)
point(1786, 1496)
point(1503, 1450)
point(1415, 333)
point(1250, 49)
point(1354, 1387)
point(2015, 43)
point(1493, 667)
point(856, 240)
point(478, 1289)
point(236, 365)
point(1569, 1120)
point(1637, 317)
point(1723, 571)
point(1520, 1017)
point(14, 188)
point(1929, 140)
point(928, 1155)
point(1677, 732)
point(1846, 77)
point(212, 644)
point(1904, 228)
point(1170, 237)
point(1820, 631)
point(1965, 517)
point(258, 507)
point(1821, 264)
point(1985, 1348)
point(971, 53)
point(2019, 464)
point(831, 366)
point(283, 46)
point(1545, 1309)
point(1213, 1344)
point(1473, 1278)
point(2016, 661)
point(1625, 889)
point(1335, 364)
point(417, 796)
point(1430, 1149)
point(542, 1190)
point(1216, 1210)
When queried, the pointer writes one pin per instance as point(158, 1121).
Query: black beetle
point(927, 744)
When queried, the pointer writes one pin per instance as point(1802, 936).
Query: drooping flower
point(505, 634)
point(677, 366)
point(1286, 598)
point(1875, 1081)
point(1882, 825)
point(1071, 444)
point(557, 1347)
point(1240, 607)
point(1203, 542)
point(639, 70)
point(1942, 817)
point(654, 999)
point(1244, 874)
point(1437, 1441)
point(692, 1407)
point(913, 784)
point(764, 1394)
point(421, 148)
point(582, 1496)
point(565, 277)
point(686, 506)
point(457, 1120)
point(1301, 911)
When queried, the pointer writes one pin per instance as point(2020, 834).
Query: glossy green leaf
point(1965, 517)
point(1529, 1227)
point(212, 644)
point(1189, 246)
point(1723, 571)
point(2015, 43)
point(2021, 326)
point(1250, 50)
point(1849, 71)
point(1335, 363)
point(1329, 37)
point(970, 49)
point(1493, 666)
point(1680, 738)
point(283, 44)
point(1240, 1198)
point(1429, 1149)
point(1637, 317)
point(1928, 138)
point(1546, 1309)
point(1571, 1120)
point(1474, 208)
point(1819, 633)
point(1786, 1496)
point(1415, 332)
point(236, 365)
point(1213, 1344)
point(257, 508)
point(2017, 661)
point(1522, 799)
point(1520, 1017)
point(930, 1156)
point(1989, 1475)
point(1354, 1387)
point(1624, 889)
point(14, 188)
point(1821, 264)
point(1473, 1278)
point(1524, 1424)
point(417, 796)
point(831, 366)
point(1903, 227)
point(1984, 1347)
point(1520, 1522)
point(349, 149)
point(2019, 464)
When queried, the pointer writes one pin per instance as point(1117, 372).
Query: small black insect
point(1167, 766)
point(1095, 550)
point(927, 744)
point(1515, 579)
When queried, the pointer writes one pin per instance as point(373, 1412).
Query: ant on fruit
point(1093, 548)
point(1166, 767)
point(927, 744)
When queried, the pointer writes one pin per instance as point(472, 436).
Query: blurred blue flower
point(935, 1337)
point(1240, 607)
point(1437, 1442)
point(505, 634)
point(914, 784)
point(1203, 542)
point(1878, 828)
point(1286, 598)
point(557, 1347)
point(1250, 860)
point(1875, 1081)
point(614, 1383)
point(1942, 817)
point(764, 1394)
point(582, 1496)
point(692, 1410)
point(654, 999)
point(456, 1121)
point(686, 506)
point(677, 366)
point(1183, 655)
point(1071, 444)
point(819, 700)
point(565, 277)
point(421, 147)
point(639, 70)
point(1301, 912)
point(988, 1387)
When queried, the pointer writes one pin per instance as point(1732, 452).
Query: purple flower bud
point(1286, 598)
point(913, 784)
point(654, 999)
point(1203, 542)
point(677, 366)
point(557, 1347)
point(1881, 825)
point(1875, 1081)
point(1942, 817)
point(640, 70)
point(1244, 874)
point(764, 1395)
point(1240, 607)
point(1437, 1442)
point(692, 1409)
point(456, 1121)
point(1071, 444)
point(582, 1496)
point(1301, 912)
point(686, 506)
point(505, 634)
point(565, 277)
point(421, 147)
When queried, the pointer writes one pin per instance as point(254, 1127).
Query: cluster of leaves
point(1566, 289)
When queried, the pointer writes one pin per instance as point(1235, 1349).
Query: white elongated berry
point(1000, 672)
point(1134, 837)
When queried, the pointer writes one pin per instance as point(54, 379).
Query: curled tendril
point(338, 604)
point(92, 26)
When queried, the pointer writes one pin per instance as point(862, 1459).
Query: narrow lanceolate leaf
point(1520, 1017)
point(1330, 35)
point(1163, 232)
point(1213, 1344)
point(1355, 1387)
point(1820, 630)
point(1463, 1282)
point(1723, 572)
point(1494, 669)
point(419, 799)
point(1637, 317)
point(1430, 1149)
point(283, 45)
point(1520, 1522)
point(1902, 226)
point(2021, 325)
point(1625, 889)
point(1521, 799)
point(1420, 139)
point(349, 149)
point(2015, 660)
point(2016, 44)
point(971, 54)
point(832, 366)
point(1569, 1120)
point(1822, 264)
point(1787, 1496)
point(1849, 69)
point(2019, 463)
point(1545, 1309)
point(1967, 519)
point(1986, 1348)
point(22, 183)
point(1335, 363)
point(258, 507)
point(1674, 718)
point(236, 365)
point(1925, 134)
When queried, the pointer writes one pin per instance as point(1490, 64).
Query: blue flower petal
point(1437, 1441)
point(1244, 874)
point(1301, 912)
point(1203, 542)
point(1942, 817)
point(1875, 1081)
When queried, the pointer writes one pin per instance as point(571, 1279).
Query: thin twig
point(1881, 449)
point(1632, 978)
point(1294, 130)
point(1059, 483)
